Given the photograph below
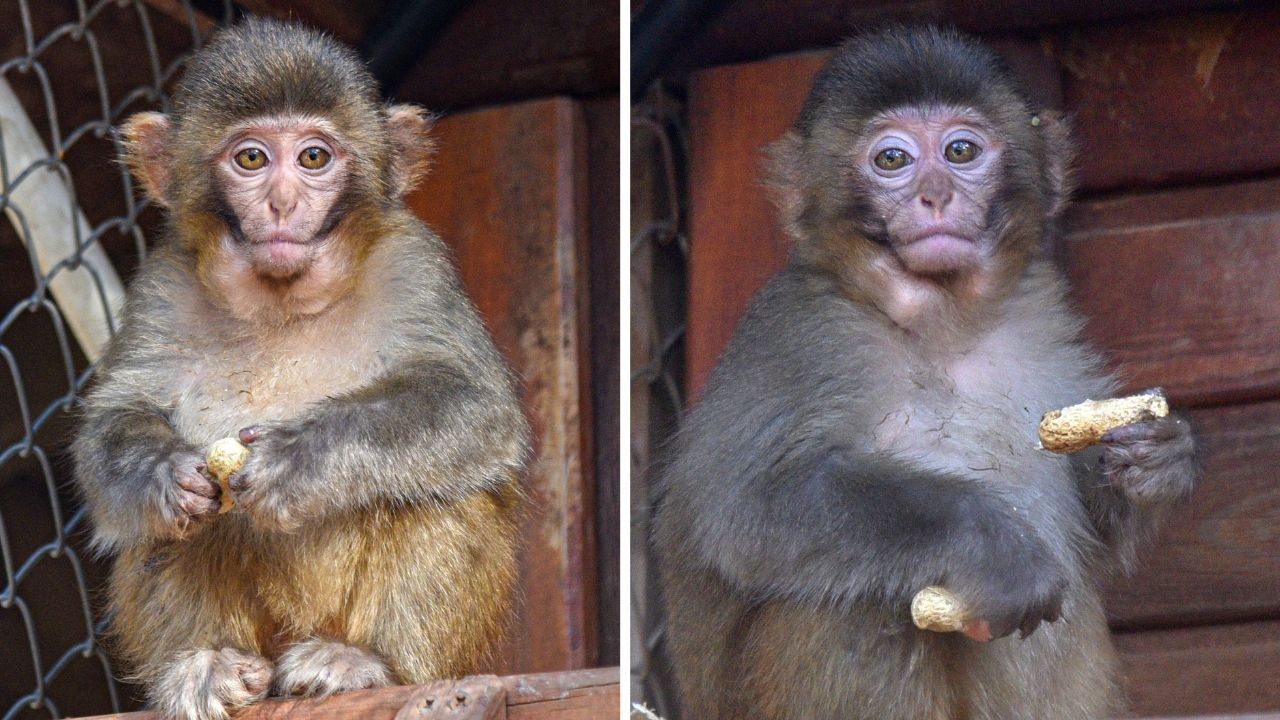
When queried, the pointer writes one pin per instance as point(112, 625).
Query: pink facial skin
point(281, 177)
point(935, 168)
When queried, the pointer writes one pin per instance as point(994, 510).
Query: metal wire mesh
point(659, 251)
point(75, 68)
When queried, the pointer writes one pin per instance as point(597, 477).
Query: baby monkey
point(295, 302)
point(870, 431)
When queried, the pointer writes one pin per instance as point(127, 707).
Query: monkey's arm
point(826, 524)
point(140, 480)
point(1131, 480)
point(429, 430)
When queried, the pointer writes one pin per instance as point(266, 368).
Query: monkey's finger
point(196, 505)
point(979, 630)
point(251, 433)
point(198, 484)
point(1131, 433)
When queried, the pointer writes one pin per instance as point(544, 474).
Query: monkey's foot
point(317, 668)
point(205, 684)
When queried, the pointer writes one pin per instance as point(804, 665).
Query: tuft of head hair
point(904, 66)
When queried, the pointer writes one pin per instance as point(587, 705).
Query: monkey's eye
point(892, 159)
point(314, 158)
point(251, 158)
point(962, 151)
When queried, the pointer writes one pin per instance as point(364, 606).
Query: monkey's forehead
point(261, 67)
point(900, 67)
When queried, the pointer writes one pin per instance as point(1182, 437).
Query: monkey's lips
point(942, 251)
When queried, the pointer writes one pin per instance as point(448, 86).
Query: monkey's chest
point(228, 391)
point(958, 435)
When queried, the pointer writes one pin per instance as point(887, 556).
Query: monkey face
point(279, 180)
point(929, 176)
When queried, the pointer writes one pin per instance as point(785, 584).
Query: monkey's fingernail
point(979, 630)
point(200, 467)
point(249, 434)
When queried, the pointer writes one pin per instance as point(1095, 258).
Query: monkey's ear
point(412, 145)
point(1059, 167)
point(146, 150)
point(782, 177)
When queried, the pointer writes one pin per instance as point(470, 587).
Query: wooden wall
point(508, 193)
point(1174, 254)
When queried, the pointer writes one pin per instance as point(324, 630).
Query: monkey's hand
point(1010, 582)
point(1151, 462)
point(184, 493)
point(272, 486)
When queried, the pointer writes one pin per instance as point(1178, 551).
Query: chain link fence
point(659, 252)
point(70, 71)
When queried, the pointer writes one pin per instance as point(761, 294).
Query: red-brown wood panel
point(757, 28)
point(735, 241)
point(1217, 558)
point(1180, 288)
point(508, 194)
point(1181, 97)
point(1190, 671)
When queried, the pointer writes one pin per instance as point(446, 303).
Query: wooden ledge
point(570, 695)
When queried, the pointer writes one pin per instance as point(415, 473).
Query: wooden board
point(1217, 558)
point(735, 242)
point(1202, 670)
point(574, 695)
point(1179, 287)
point(508, 195)
point(748, 29)
point(1175, 98)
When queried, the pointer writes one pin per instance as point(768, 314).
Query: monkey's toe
point(206, 684)
point(322, 667)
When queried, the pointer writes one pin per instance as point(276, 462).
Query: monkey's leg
point(1064, 671)
point(859, 662)
point(183, 619)
point(435, 589)
point(319, 667)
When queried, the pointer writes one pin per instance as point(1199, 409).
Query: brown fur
point(374, 538)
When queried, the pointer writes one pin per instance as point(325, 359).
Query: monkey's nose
point(282, 207)
point(938, 199)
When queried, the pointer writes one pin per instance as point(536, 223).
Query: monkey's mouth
point(939, 251)
point(284, 249)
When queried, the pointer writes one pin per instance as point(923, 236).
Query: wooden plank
point(752, 29)
point(500, 50)
point(573, 695)
point(346, 20)
point(1217, 558)
point(1203, 670)
point(735, 242)
point(508, 195)
point(1174, 98)
point(1179, 288)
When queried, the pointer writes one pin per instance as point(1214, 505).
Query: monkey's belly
point(440, 575)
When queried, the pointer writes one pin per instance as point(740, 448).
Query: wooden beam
point(176, 10)
point(508, 194)
point(574, 695)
